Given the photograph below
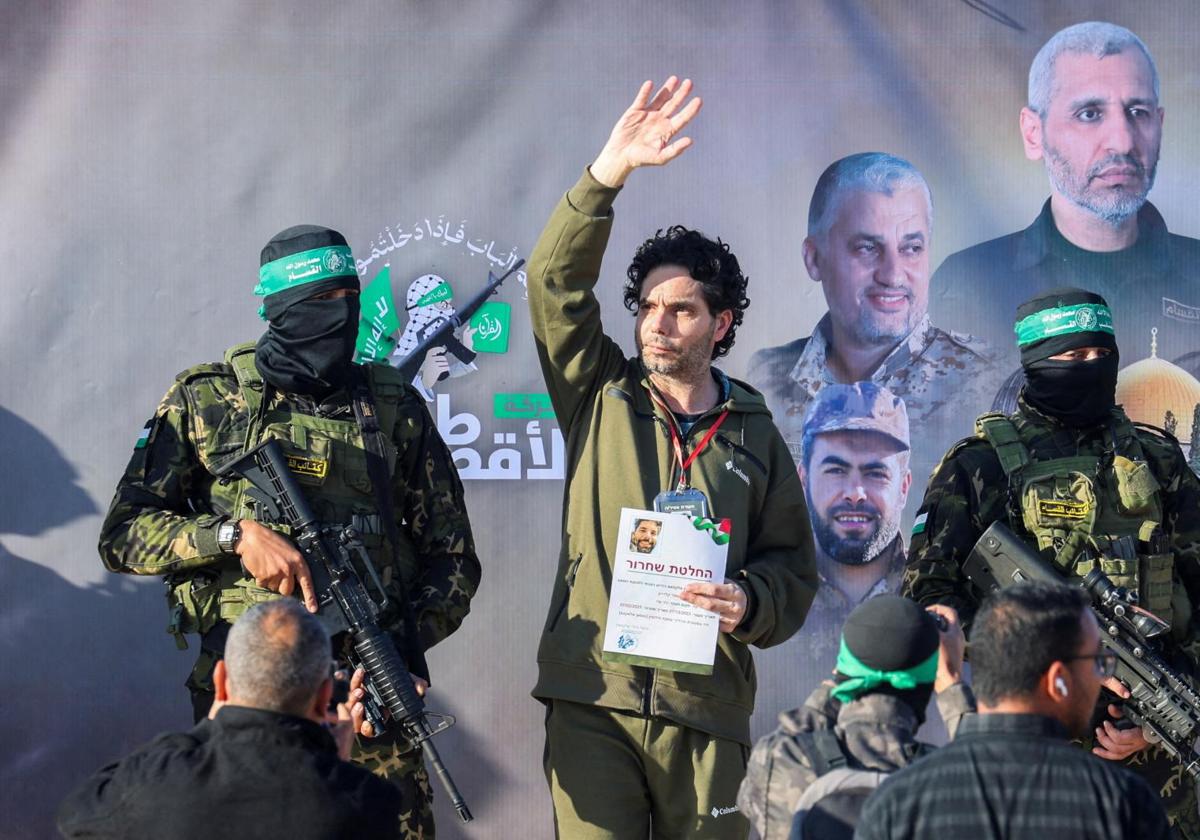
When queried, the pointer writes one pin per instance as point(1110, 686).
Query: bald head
point(277, 657)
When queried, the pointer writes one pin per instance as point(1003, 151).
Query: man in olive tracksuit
point(632, 750)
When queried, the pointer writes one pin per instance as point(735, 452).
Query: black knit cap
point(890, 633)
point(1057, 299)
point(293, 241)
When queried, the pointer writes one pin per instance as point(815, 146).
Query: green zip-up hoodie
point(619, 456)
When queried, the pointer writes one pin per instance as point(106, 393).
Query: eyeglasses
point(1105, 663)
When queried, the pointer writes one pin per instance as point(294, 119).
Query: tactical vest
point(1087, 510)
point(325, 454)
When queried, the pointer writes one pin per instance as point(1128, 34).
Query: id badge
point(689, 500)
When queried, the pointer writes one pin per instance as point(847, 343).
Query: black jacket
point(247, 774)
point(1154, 284)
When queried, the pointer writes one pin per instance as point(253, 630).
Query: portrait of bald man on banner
point(1094, 119)
point(870, 222)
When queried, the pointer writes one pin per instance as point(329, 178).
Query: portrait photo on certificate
point(658, 555)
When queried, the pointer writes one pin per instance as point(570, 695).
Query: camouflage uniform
point(167, 507)
point(969, 491)
point(877, 731)
point(818, 638)
point(940, 376)
point(866, 411)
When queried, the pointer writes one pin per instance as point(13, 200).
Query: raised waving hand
point(645, 135)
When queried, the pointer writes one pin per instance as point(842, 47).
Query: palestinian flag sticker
point(919, 523)
point(144, 437)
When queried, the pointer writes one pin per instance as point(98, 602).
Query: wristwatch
point(229, 533)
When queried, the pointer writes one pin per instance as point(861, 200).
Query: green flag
point(379, 322)
point(491, 324)
point(369, 350)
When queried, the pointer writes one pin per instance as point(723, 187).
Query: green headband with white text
point(305, 267)
point(1063, 320)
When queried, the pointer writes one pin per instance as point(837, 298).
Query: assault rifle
point(1161, 701)
point(344, 604)
point(441, 332)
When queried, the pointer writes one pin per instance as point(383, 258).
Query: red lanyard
point(677, 444)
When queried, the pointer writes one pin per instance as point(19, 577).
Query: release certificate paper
point(657, 555)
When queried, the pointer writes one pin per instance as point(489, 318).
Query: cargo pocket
point(1157, 584)
point(1120, 572)
point(240, 597)
point(1137, 489)
point(1124, 573)
point(306, 452)
point(1056, 506)
point(1060, 502)
point(193, 603)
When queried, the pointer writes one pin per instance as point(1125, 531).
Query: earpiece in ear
point(1060, 685)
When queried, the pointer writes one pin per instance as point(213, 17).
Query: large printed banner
point(148, 153)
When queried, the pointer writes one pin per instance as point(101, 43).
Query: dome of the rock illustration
point(1151, 388)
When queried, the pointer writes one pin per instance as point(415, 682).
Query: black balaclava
point(1079, 394)
point(889, 636)
point(308, 347)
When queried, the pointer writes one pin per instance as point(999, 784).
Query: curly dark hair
point(709, 263)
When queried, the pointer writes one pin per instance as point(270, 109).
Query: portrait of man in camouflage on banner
point(870, 222)
point(854, 465)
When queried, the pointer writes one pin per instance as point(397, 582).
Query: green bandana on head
point(1078, 392)
point(1063, 319)
point(863, 678)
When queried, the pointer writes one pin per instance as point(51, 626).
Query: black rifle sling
point(368, 424)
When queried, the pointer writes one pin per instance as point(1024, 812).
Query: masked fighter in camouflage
point(1080, 482)
point(170, 515)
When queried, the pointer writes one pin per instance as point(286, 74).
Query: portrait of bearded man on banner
point(429, 302)
point(1094, 119)
point(854, 466)
point(870, 222)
